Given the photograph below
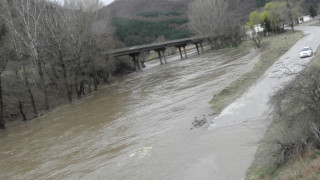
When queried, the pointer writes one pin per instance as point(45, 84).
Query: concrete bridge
point(160, 48)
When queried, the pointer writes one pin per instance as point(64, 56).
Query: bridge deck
point(155, 46)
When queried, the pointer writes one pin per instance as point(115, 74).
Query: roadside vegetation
point(272, 20)
point(290, 148)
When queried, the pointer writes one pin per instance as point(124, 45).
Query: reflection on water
point(137, 128)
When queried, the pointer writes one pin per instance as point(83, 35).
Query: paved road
point(241, 125)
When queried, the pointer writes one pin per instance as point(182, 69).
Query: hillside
point(135, 21)
point(132, 8)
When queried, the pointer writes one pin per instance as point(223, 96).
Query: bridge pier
point(185, 52)
point(142, 63)
point(136, 61)
point(197, 46)
point(164, 56)
point(201, 47)
point(160, 53)
point(160, 58)
point(180, 52)
point(184, 48)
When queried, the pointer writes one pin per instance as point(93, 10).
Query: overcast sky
point(106, 2)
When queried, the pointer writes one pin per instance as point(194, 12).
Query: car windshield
point(305, 49)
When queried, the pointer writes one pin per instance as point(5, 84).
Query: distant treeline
point(157, 13)
point(136, 32)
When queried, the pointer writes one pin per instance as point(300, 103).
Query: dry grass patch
point(303, 167)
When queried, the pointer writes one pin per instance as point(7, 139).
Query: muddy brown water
point(137, 128)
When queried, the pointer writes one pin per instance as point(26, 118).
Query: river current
point(137, 128)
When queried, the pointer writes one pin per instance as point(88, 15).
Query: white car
point(306, 52)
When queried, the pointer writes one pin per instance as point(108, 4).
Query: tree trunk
point(44, 89)
point(26, 80)
point(78, 90)
point(65, 77)
point(290, 16)
point(82, 87)
point(95, 76)
point(95, 83)
point(21, 111)
point(2, 125)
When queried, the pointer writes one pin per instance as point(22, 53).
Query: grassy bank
point(290, 148)
point(272, 48)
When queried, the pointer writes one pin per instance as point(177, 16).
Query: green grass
point(272, 48)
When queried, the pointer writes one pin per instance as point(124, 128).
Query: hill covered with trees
point(143, 21)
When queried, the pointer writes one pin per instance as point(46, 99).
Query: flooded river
point(136, 128)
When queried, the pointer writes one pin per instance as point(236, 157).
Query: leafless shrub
point(297, 108)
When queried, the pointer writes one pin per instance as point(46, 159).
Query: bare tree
point(3, 62)
point(78, 21)
point(23, 18)
point(212, 18)
point(207, 16)
point(22, 58)
point(55, 39)
point(293, 12)
point(254, 36)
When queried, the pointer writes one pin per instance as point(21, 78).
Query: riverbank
point(272, 47)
